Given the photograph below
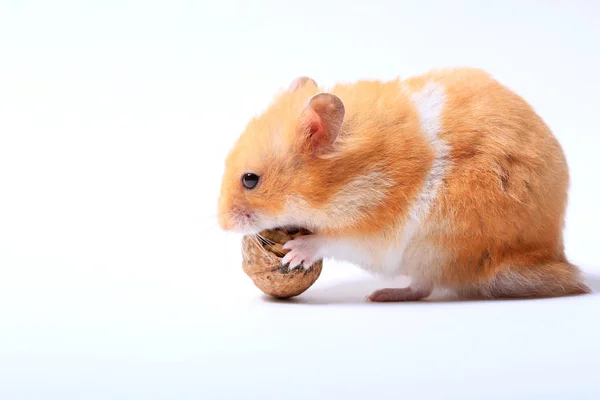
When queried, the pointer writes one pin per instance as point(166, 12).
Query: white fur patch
point(410, 255)
point(429, 102)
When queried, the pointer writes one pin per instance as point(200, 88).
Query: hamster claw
point(302, 252)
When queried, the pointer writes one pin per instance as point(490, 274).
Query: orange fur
point(497, 219)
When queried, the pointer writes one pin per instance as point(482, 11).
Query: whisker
point(244, 253)
point(260, 241)
point(260, 245)
point(264, 239)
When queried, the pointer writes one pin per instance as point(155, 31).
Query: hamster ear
point(322, 120)
point(300, 82)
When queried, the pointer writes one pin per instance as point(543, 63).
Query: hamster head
point(269, 173)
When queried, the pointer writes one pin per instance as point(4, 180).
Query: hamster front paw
point(304, 251)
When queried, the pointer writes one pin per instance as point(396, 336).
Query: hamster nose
point(246, 216)
point(243, 214)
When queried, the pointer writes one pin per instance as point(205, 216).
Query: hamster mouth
point(274, 239)
point(292, 230)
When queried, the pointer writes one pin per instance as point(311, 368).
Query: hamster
point(449, 178)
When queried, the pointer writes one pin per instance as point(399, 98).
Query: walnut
point(262, 263)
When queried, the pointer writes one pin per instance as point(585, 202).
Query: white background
point(115, 282)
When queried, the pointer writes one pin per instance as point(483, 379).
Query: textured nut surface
point(262, 263)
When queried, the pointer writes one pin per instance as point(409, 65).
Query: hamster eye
point(250, 180)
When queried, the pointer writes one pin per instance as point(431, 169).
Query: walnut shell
point(262, 263)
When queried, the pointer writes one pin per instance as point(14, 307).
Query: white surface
point(115, 283)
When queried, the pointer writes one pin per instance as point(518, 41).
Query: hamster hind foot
point(411, 293)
